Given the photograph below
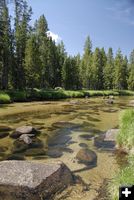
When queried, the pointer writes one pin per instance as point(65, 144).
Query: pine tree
point(70, 74)
point(22, 18)
point(61, 56)
point(109, 71)
point(41, 29)
point(5, 44)
point(32, 63)
point(97, 70)
point(120, 75)
point(131, 72)
point(86, 64)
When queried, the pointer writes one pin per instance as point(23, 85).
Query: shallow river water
point(66, 127)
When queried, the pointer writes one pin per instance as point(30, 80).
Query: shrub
point(18, 96)
point(4, 98)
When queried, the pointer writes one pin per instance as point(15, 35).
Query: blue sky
point(110, 23)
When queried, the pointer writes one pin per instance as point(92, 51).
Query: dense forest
point(29, 58)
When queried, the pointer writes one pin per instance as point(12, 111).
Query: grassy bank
point(124, 178)
point(40, 95)
point(125, 140)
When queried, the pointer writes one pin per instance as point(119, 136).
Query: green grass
point(41, 94)
point(124, 177)
point(125, 138)
point(4, 98)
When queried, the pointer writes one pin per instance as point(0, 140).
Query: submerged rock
point(3, 135)
point(26, 138)
point(5, 128)
point(23, 130)
point(107, 141)
point(32, 181)
point(54, 153)
point(87, 157)
point(14, 157)
point(20, 146)
point(35, 152)
point(87, 136)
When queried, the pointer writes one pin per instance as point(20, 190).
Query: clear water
point(65, 129)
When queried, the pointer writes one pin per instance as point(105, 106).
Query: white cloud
point(54, 36)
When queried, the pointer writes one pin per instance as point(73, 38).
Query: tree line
point(29, 58)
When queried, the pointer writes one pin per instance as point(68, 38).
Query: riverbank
point(125, 141)
point(41, 95)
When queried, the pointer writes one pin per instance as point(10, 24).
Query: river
point(66, 127)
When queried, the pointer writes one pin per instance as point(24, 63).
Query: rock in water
point(87, 157)
point(5, 128)
point(111, 135)
point(28, 180)
point(23, 130)
point(26, 138)
point(107, 141)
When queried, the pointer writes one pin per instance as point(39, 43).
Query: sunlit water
point(63, 125)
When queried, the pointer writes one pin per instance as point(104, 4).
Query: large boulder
point(87, 157)
point(21, 180)
point(23, 130)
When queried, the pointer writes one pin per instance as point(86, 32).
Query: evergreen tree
point(22, 18)
point(61, 56)
point(131, 72)
point(97, 70)
point(86, 64)
point(32, 63)
point(5, 44)
point(120, 75)
point(70, 74)
point(41, 29)
point(109, 71)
